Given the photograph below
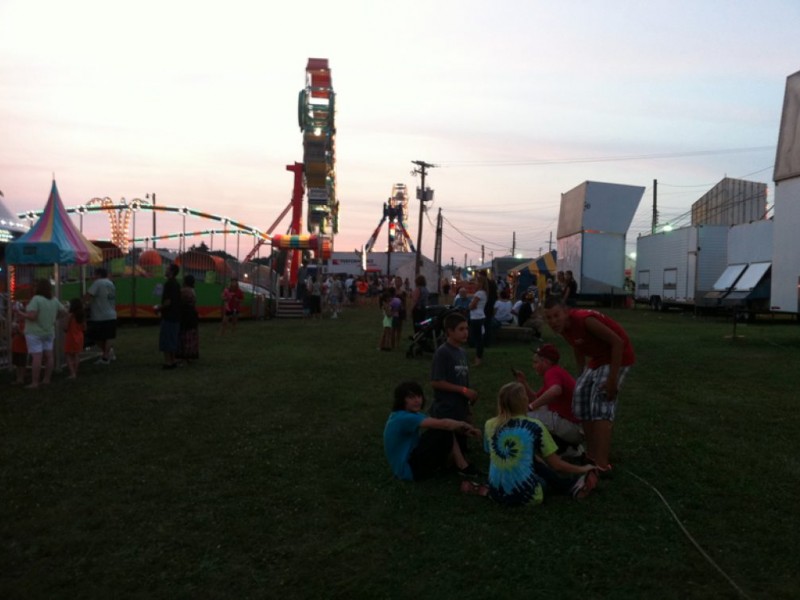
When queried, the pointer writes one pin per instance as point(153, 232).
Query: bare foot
point(31, 386)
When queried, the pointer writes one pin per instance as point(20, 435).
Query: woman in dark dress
point(189, 347)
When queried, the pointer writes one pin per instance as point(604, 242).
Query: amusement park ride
point(316, 174)
point(396, 211)
point(317, 119)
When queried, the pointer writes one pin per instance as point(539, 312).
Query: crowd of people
point(554, 439)
point(92, 321)
point(549, 438)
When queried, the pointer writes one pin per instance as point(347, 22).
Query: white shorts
point(570, 432)
point(39, 343)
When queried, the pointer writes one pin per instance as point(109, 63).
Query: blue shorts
point(589, 401)
point(168, 336)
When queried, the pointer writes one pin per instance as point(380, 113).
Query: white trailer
point(785, 284)
point(679, 267)
point(592, 224)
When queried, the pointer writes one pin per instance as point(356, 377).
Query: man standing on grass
point(102, 322)
point(604, 355)
point(170, 309)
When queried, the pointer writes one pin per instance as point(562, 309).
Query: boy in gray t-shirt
point(452, 395)
point(450, 373)
point(102, 322)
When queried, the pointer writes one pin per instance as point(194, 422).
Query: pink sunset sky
point(515, 102)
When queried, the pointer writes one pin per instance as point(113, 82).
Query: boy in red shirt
point(604, 355)
point(552, 402)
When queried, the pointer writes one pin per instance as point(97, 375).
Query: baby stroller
point(430, 332)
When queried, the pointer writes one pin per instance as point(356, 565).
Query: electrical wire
point(569, 161)
point(685, 531)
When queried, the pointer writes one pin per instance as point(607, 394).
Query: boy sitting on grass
point(452, 396)
point(552, 403)
point(412, 453)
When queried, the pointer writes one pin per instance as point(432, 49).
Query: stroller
point(430, 332)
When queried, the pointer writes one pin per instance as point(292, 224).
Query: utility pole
point(550, 243)
point(483, 259)
point(154, 218)
point(437, 249)
point(513, 243)
point(655, 205)
point(388, 207)
point(423, 195)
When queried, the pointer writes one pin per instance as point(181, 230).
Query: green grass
point(259, 472)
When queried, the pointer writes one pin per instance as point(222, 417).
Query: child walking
point(19, 349)
point(73, 338)
point(385, 342)
point(524, 462)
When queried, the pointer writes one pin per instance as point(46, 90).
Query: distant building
point(731, 202)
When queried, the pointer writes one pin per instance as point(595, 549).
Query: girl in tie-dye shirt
point(524, 463)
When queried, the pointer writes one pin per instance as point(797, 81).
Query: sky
point(515, 102)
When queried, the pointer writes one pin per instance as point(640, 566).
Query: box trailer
point(592, 224)
point(785, 283)
point(678, 268)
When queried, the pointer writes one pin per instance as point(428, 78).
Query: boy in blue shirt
point(412, 453)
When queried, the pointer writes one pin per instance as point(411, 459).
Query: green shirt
point(45, 321)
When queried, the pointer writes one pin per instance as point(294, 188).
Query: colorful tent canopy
point(529, 274)
point(53, 239)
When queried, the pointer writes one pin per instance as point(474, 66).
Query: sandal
point(473, 488)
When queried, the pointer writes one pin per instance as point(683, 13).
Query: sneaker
point(585, 484)
point(573, 452)
point(606, 472)
point(112, 355)
point(470, 471)
point(102, 361)
point(474, 488)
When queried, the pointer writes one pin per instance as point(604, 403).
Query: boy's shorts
point(589, 401)
point(101, 331)
point(431, 453)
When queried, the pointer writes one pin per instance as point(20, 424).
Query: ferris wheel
point(316, 116)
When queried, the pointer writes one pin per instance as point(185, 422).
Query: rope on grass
point(699, 548)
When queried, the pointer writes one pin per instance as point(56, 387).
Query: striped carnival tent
point(53, 239)
point(535, 273)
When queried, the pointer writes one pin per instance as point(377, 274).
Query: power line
point(568, 161)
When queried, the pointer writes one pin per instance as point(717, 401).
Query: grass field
point(259, 473)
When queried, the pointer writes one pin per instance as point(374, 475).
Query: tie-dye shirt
point(513, 479)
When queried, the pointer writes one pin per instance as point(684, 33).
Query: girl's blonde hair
point(512, 401)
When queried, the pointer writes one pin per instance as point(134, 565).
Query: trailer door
point(670, 284)
point(691, 277)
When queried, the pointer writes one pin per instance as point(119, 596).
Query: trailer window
point(643, 280)
point(752, 276)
